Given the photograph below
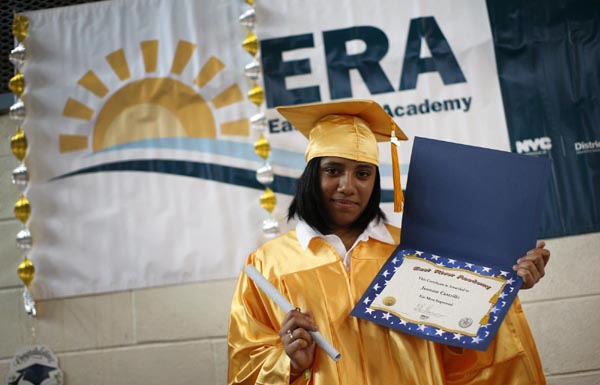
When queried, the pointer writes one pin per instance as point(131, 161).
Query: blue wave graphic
point(289, 159)
point(208, 171)
point(283, 158)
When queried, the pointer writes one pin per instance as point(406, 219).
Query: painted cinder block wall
point(177, 334)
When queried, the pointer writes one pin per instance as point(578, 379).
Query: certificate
point(438, 298)
point(455, 300)
point(470, 213)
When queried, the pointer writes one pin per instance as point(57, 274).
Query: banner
point(548, 68)
point(431, 65)
point(141, 159)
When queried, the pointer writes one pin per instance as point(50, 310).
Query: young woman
point(328, 261)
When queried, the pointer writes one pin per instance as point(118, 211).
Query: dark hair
point(308, 202)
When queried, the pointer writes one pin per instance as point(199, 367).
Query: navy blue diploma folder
point(469, 214)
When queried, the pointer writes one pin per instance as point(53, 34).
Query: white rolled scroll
point(286, 306)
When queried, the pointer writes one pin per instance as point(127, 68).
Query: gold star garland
point(258, 122)
point(20, 175)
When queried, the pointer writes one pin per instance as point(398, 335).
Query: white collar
point(376, 230)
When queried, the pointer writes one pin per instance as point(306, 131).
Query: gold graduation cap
point(348, 129)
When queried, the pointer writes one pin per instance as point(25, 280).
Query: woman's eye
point(331, 171)
point(364, 174)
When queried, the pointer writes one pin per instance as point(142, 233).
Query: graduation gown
point(371, 354)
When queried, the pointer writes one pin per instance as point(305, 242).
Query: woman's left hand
point(531, 267)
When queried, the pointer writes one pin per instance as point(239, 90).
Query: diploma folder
point(469, 214)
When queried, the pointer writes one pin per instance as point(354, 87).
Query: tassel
point(398, 195)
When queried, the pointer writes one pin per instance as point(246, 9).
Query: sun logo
point(152, 107)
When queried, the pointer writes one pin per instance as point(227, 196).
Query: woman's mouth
point(345, 203)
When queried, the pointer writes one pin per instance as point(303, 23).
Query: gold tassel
point(398, 194)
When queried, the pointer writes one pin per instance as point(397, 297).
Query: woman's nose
point(346, 183)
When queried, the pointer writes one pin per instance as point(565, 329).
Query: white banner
point(141, 157)
point(137, 121)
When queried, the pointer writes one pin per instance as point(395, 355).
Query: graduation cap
point(348, 129)
point(35, 374)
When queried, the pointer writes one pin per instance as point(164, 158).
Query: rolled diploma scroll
point(284, 304)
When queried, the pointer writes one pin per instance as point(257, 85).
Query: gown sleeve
point(511, 359)
point(256, 354)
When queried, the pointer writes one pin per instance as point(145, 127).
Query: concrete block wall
point(177, 334)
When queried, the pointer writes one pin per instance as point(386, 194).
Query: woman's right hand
point(297, 341)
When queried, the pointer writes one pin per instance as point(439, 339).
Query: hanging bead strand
point(20, 175)
point(258, 122)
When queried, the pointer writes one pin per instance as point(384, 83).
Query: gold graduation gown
point(371, 354)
